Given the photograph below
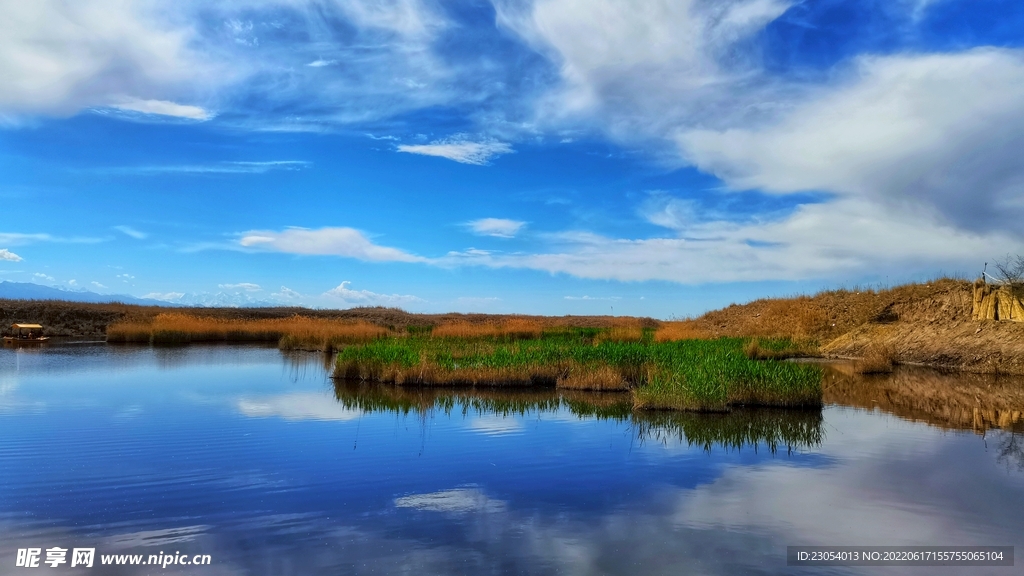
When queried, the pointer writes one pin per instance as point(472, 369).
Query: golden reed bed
point(296, 332)
point(306, 333)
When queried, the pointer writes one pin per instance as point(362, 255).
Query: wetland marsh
point(257, 457)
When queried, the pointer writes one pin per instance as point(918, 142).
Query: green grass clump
point(702, 375)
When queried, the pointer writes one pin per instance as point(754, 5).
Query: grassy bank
point(703, 375)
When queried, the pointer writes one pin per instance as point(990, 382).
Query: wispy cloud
point(18, 239)
point(498, 227)
point(347, 242)
point(217, 168)
point(129, 231)
point(367, 298)
point(42, 276)
point(98, 285)
point(164, 108)
point(9, 256)
point(593, 297)
point(243, 286)
point(460, 149)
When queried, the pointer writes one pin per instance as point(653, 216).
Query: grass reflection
point(771, 429)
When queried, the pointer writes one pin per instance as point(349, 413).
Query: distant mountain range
point(30, 291)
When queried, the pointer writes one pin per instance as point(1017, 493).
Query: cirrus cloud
point(460, 149)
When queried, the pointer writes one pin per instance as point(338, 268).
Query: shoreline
point(925, 324)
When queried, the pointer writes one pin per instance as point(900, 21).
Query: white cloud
point(72, 282)
point(243, 286)
point(367, 298)
point(347, 242)
point(9, 256)
point(639, 67)
point(297, 406)
point(922, 135)
point(286, 293)
point(129, 231)
point(320, 63)
point(97, 284)
point(42, 276)
point(165, 296)
point(164, 108)
point(60, 57)
point(460, 149)
point(499, 227)
point(838, 239)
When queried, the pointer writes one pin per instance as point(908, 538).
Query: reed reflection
point(771, 429)
point(949, 400)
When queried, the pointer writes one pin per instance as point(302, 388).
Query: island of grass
point(698, 375)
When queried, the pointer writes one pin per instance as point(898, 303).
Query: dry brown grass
point(494, 328)
point(685, 330)
point(603, 378)
point(625, 330)
point(296, 332)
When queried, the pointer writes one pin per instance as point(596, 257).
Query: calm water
point(256, 458)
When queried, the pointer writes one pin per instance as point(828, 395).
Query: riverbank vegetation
point(295, 332)
point(927, 323)
point(702, 375)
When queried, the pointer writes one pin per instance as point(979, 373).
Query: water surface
point(258, 459)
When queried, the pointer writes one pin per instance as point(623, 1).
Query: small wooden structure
point(26, 334)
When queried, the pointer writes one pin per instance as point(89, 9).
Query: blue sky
point(653, 157)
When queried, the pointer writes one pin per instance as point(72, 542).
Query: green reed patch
point(703, 375)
